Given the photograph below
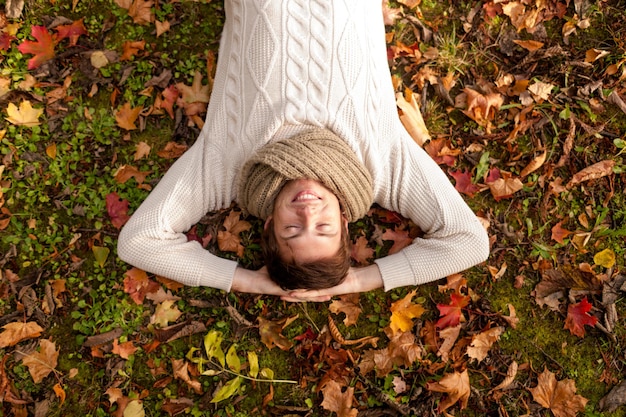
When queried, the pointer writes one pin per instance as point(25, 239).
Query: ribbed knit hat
point(319, 155)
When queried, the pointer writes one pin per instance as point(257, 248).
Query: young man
point(302, 125)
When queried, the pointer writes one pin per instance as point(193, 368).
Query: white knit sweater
point(284, 66)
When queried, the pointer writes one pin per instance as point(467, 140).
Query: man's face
point(307, 221)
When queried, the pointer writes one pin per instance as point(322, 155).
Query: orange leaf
point(72, 31)
point(181, 372)
point(529, 45)
point(559, 234)
point(400, 238)
point(130, 49)
point(126, 172)
point(125, 350)
point(41, 363)
point(558, 396)
point(456, 385)
point(126, 116)
point(228, 240)
point(349, 305)
point(403, 312)
point(337, 400)
point(16, 332)
point(172, 150)
point(197, 92)
point(142, 150)
point(141, 11)
point(137, 285)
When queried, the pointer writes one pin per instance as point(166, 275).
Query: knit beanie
point(319, 155)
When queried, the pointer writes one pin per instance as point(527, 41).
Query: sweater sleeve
point(453, 239)
point(154, 238)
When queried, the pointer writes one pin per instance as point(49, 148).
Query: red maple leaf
point(577, 316)
point(5, 41)
point(138, 285)
point(464, 183)
point(72, 32)
point(170, 95)
point(117, 209)
point(42, 48)
point(451, 314)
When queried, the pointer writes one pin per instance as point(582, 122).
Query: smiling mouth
point(306, 196)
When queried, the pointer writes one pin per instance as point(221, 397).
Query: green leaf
point(482, 167)
point(232, 360)
point(213, 346)
point(227, 390)
point(267, 373)
point(101, 254)
point(253, 361)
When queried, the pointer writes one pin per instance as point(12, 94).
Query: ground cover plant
point(524, 104)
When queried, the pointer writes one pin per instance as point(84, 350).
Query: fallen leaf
point(165, 313)
point(25, 115)
point(449, 335)
point(142, 149)
point(270, 331)
point(170, 95)
point(117, 208)
point(592, 172)
point(349, 305)
point(361, 251)
point(404, 349)
point(411, 117)
point(59, 392)
point(482, 342)
point(456, 385)
point(141, 11)
point(504, 185)
point(161, 27)
point(181, 372)
point(452, 314)
point(137, 284)
point(463, 182)
point(440, 150)
point(482, 108)
point(577, 316)
point(229, 240)
point(40, 363)
point(100, 253)
point(529, 45)
point(605, 258)
point(400, 238)
point(541, 91)
point(510, 377)
point(594, 54)
point(126, 172)
point(42, 48)
point(125, 349)
point(535, 164)
point(338, 400)
point(559, 234)
point(172, 150)
point(131, 48)
point(512, 318)
point(126, 116)
point(559, 396)
point(72, 31)
point(16, 332)
point(403, 312)
point(196, 93)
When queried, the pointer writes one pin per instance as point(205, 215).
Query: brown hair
point(316, 275)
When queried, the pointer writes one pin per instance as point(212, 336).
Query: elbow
point(125, 245)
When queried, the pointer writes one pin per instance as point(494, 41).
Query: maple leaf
point(25, 115)
point(502, 184)
point(605, 258)
point(559, 396)
point(482, 108)
point(196, 96)
point(142, 149)
point(440, 151)
point(72, 31)
point(126, 172)
point(349, 305)
point(390, 14)
point(337, 400)
point(130, 48)
point(137, 284)
point(42, 48)
point(170, 95)
point(403, 312)
point(5, 41)
point(361, 251)
point(165, 313)
point(463, 182)
point(181, 372)
point(172, 150)
point(577, 316)
point(482, 342)
point(126, 116)
point(270, 331)
point(141, 11)
point(452, 314)
point(125, 350)
point(456, 385)
point(228, 240)
point(404, 349)
point(449, 335)
point(117, 209)
point(559, 234)
point(41, 363)
point(400, 239)
point(16, 332)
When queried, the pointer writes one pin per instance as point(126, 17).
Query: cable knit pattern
point(284, 67)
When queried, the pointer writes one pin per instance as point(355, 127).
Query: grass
point(57, 175)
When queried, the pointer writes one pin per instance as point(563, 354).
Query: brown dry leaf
point(529, 45)
point(142, 149)
point(41, 363)
point(390, 15)
point(141, 11)
point(25, 115)
point(124, 349)
point(594, 54)
point(512, 318)
point(337, 400)
point(165, 313)
point(228, 240)
point(482, 342)
point(449, 336)
point(559, 396)
point(130, 49)
point(510, 377)
point(270, 331)
point(16, 332)
point(482, 108)
point(126, 116)
point(541, 91)
point(403, 349)
point(411, 117)
point(505, 186)
point(126, 172)
point(161, 27)
point(592, 172)
point(349, 305)
point(456, 385)
point(181, 372)
point(403, 312)
point(400, 238)
point(535, 164)
point(559, 234)
point(196, 92)
point(361, 251)
point(454, 282)
point(172, 150)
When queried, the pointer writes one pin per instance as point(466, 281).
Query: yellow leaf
point(101, 254)
point(51, 151)
point(605, 258)
point(25, 115)
point(411, 118)
point(403, 312)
